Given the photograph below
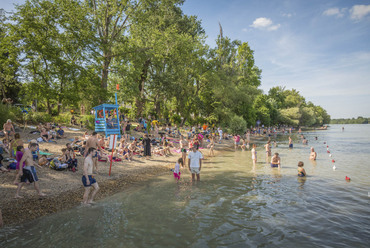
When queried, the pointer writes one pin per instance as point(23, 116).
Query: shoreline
point(64, 188)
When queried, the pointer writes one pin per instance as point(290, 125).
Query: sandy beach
point(64, 188)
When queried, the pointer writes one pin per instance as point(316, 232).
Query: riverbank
point(64, 188)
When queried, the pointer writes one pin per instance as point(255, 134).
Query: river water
point(236, 204)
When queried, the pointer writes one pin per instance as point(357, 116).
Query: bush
point(237, 125)
point(37, 117)
point(88, 121)
point(176, 119)
point(64, 118)
point(10, 112)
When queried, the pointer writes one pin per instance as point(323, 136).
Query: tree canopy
point(64, 53)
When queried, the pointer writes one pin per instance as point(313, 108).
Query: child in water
point(176, 171)
point(254, 154)
point(301, 171)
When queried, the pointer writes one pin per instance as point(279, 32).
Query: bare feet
point(42, 194)
point(18, 196)
point(15, 183)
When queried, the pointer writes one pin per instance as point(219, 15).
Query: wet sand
point(64, 188)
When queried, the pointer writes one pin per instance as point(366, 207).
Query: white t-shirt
point(177, 168)
point(194, 158)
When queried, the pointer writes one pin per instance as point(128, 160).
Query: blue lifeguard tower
point(107, 119)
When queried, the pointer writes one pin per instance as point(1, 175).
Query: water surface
point(236, 204)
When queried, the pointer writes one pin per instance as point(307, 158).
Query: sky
point(320, 48)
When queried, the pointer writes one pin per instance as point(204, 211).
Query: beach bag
point(40, 139)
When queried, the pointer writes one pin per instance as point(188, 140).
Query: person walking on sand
point(313, 154)
point(195, 163)
point(28, 173)
point(88, 179)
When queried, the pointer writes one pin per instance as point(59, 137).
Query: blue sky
point(321, 48)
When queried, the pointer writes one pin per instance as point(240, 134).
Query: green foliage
point(358, 120)
point(9, 112)
point(176, 119)
point(88, 121)
point(39, 117)
point(237, 125)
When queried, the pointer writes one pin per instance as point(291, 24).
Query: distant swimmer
point(301, 171)
point(275, 160)
point(313, 154)
point(304, 141)
point(342, 129)
point(290, 142)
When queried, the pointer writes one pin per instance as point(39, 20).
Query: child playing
point(176, 171)
point(301, 171)
point(275, 160)
point(211, 146)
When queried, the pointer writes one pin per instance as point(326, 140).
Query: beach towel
point(74, 129)
point(45, 153)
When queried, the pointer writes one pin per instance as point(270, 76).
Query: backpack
point(12, 166)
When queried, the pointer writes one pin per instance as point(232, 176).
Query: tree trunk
point(140, 99)
point(48, 106)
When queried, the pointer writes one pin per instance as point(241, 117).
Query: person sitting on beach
point(39, 127)
point(313, 154)
point(127, 154)
point(275, 160)
point(2, 167)
point(8, 130)
point(4, 146)
point(60, 133)
point(28, 173)
point(73, 120)
point(88, 179)
point(45, 135)
point(301, 171)
point(43, 160)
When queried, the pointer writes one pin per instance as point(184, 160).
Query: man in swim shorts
point(268, 149)
point(275, 161)
point(195, 163)
point(290, 142)
point(28, 173)
point(88, 179)
point(183, 145)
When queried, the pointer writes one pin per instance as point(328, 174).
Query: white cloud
point(335, 12)
point(244, 29)
point(264, 24)
point(287, 15)
point(359, 11)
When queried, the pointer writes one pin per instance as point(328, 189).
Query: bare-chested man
point(275, 160)
point(29, 172)
point(313, 154)
point(268, 149)
point(8, 130)
point(290, 142)
point(92, 142)
point(88, 179)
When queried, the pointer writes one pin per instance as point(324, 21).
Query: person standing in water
point(313, 154)
point(290, 142)
point(268, 149)
point(275, 160)
point(254, 154)
point(88, 179)
point(195, 163)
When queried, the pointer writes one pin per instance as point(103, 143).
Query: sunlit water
point(235, 205)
